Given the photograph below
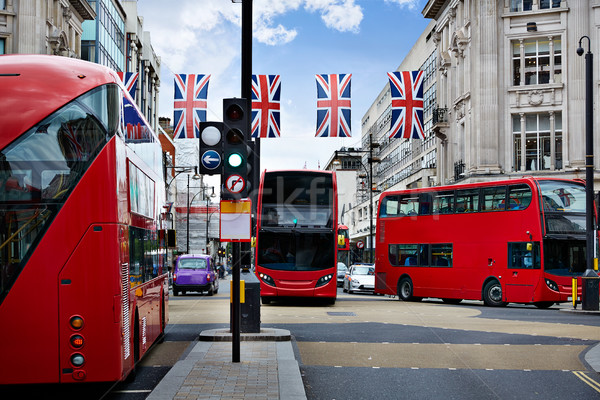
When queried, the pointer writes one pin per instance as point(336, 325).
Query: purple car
point(195, 273)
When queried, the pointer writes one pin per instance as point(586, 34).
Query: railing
point(459, 170)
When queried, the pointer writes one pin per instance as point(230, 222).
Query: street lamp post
point(371, 159)
point(589, 290)
point(202, 190)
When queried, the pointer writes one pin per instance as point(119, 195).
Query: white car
point(360, 278)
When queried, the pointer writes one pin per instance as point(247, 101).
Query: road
point(368, 346)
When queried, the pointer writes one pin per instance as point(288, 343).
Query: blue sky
point(295, 39)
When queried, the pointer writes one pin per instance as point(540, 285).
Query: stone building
point(43, 26)
point(504, 97)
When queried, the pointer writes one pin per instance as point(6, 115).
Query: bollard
point(574, 292)
point(251, 307)
point(590, 293)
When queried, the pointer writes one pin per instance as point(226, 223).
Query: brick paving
point(215, 376)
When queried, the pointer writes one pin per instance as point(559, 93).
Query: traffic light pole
point(246, 79)
point(236, 316)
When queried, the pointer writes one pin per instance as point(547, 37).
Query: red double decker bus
point(296, 246)
point(515, 241)
point(83, 282)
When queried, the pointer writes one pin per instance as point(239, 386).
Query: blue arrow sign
point(211, 159)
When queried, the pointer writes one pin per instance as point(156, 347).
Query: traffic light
point(234, 179)
point(211, 147)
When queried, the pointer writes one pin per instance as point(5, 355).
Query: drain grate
point(341, 314)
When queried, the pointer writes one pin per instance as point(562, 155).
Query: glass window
point(536, 62)
point(564, 257)
point(520, 5)
point(443, 202)
point(302, 199)
point(39, 170)
point(560, 196)
point(409, 204)
point(520, 197)
point(494, 198)
point(545, 4)
point(524, 255)
point(192, 263)
point(538, 148)
point(389, 206)
point(2, 46)
point(403, 254)
point(467, 200)
point(296, 251)
point(441, 255)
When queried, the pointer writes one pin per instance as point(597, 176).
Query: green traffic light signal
point(235, 160)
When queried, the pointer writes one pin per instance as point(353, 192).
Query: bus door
point(523, 271)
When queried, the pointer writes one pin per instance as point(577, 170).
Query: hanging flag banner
point(130, 82)
point(189, 107)
point(407, 105)
point(266, 99)
point(333, 105)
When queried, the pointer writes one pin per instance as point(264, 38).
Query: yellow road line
point(589, 381)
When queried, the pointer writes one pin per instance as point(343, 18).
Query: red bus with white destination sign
point(83, 282)
point(296, 245)
point(513, 241)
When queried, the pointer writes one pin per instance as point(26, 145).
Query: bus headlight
point(77, 360)
point(324, 280)
point(266, 279)
point(551, 285)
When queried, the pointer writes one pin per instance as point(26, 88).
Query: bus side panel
point(32, 304)
point(29, 332)
point(90, 287)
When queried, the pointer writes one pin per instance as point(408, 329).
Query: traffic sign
point(235, 220)
point(360, 244)
point(235, 183)
point(211, 159)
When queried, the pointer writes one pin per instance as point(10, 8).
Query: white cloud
point(411, 4)
point(341, 15)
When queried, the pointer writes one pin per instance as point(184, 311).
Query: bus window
point(494, 198)
point(524, 255)
point(403, 254)
point(409, 205)
point(467, 200)
point(520, 197)
point(389, 206)
point(562, 197)
point(425, 204)
point(441, 255)
point(443, 202)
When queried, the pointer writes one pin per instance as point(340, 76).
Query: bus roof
point(523, 179)
point(33, 86)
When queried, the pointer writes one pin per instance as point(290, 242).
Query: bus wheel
point(492, 294)
point(405, 289)
point(544, 304)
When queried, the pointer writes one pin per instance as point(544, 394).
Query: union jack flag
point(407, 104)
point(189, 107)
point(266, 96)
point(130, 81)
point(333, 105)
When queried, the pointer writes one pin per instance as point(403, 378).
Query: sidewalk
point(267, 369)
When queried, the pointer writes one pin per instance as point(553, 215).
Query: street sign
point(235, 183)
point(236, 220)
point(360, 244)
point(211, 159)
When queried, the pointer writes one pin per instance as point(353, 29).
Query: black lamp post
point(202, 190)
point(589, 289)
